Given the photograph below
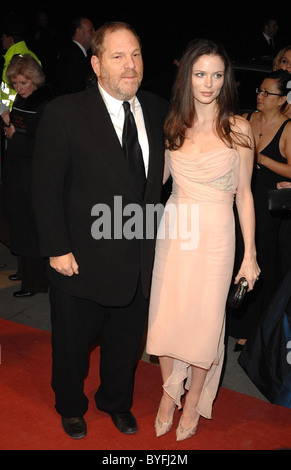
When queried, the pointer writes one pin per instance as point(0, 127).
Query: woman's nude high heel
point(184, 433)
point(162, 428)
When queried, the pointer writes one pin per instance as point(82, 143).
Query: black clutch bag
point(279, 199)
point(238, 293)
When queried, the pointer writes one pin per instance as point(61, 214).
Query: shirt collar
point(114, 105)
point(81, 47)
point(267, 37)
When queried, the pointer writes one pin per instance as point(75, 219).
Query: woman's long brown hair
point(182, 110)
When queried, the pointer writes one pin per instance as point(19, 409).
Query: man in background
point(264, 45)
point(73, 69)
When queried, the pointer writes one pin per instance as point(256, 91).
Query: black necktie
point(271, 43)
point(132, 148)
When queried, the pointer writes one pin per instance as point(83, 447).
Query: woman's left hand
point(9, 131)
point(283, 184)
point(250, 270)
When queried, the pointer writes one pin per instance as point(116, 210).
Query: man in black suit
point(100, 267)
point(73, 69)
point(264, 45)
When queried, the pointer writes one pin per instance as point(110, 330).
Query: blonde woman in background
point(283, 61)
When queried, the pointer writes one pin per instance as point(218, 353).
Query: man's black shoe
point(125, 422)
point(22, 293)
point(14, 277)
point(75, 427)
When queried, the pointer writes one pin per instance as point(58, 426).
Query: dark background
point(165, 25)
point(165, 28)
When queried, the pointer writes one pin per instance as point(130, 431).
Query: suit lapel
point(106, 137)
point(150, 136)
point(107, 140)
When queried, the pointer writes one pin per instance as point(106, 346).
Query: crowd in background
point(48, 35)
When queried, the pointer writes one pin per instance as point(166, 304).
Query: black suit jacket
point(73, 71)
point(261, 49)
point(78, 163)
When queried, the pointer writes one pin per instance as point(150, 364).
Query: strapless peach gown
point(193, 269)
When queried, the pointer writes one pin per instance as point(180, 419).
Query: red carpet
point(30, 422)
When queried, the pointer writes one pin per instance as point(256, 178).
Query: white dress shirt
point(116, 113)
point(268, 39)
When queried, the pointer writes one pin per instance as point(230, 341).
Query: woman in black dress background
point(272, 132)
point(28, 79)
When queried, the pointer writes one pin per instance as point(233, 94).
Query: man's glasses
point(266, 93)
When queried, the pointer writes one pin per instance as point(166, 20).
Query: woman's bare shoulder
point(240, 124)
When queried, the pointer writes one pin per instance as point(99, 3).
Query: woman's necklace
point(263, 128)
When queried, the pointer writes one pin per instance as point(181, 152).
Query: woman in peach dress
point(210, 157)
